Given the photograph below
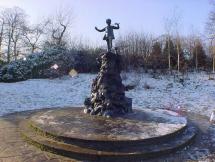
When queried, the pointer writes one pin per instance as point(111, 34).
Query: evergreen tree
point(156, 56)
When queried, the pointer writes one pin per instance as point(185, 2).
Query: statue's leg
point(108, 44)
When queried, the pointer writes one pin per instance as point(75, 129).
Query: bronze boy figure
point(109, 35)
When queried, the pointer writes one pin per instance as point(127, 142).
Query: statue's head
point(108, 21)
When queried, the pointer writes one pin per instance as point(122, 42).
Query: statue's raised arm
point(100, 30)
point(117, 26)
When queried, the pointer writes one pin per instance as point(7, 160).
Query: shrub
point(36, 65)
point(39, 65)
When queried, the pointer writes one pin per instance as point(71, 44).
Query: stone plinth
point(139, 125)
point(108, 93)
point(138, 135)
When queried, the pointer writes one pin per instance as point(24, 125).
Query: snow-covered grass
point(197, 94)
point(44, 93)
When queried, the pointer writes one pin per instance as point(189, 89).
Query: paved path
point(14, 149)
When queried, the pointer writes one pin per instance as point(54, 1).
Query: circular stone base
point(138, 135)
point(139, 125)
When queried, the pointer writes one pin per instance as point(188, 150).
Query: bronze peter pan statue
point(109, 35)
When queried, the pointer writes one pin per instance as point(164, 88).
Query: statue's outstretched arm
point(117, 26)
point(100, 30)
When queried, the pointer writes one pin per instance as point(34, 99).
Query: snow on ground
point(197, 94)
point(44, 93)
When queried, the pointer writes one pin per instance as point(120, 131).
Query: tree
point(180, 55)
point(212, 53)
point(14, 19)
point(210, 28)
point(199, 56)
point(2, 25)
point(33, 35)
point(156, 58)
point(179, 52)
point(171, 25)
point(135, 48)
point(168, 27)
point(210, 25)
point(59, 25)
point(169, 50)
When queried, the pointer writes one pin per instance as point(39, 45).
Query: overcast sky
point(133, 15)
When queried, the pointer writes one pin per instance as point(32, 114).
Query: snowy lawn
point(197, 94)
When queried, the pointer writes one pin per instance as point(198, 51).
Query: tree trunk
point(8, 47)
point(213, 63)
point(213, 56)
point(169, 56)
point(1, 39)
point(196, 58)
point(178, 56)
point(15, 51)
point(32, 49)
